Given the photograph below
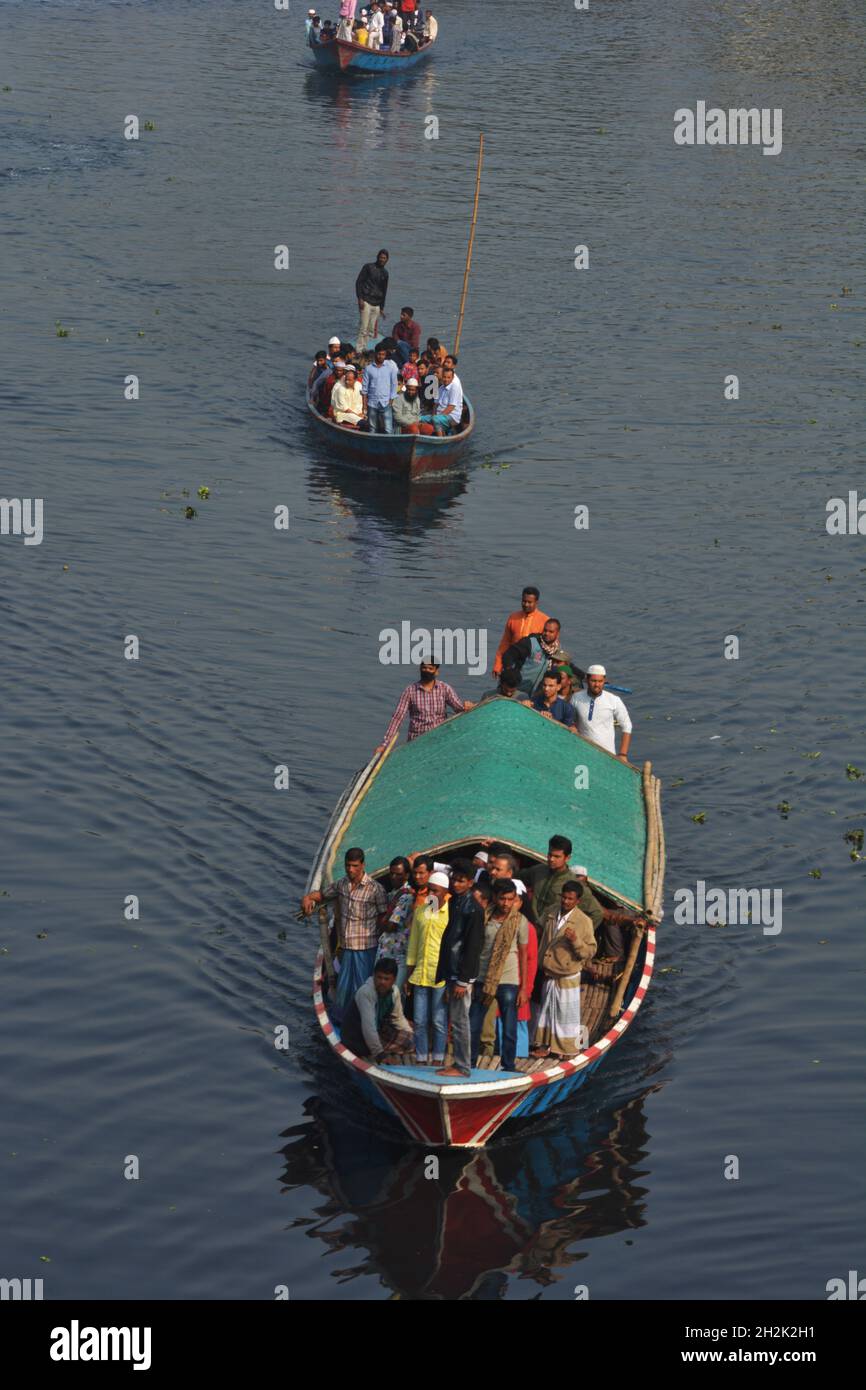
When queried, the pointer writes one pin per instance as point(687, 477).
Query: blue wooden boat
point(402, 455)
point(356, 60)
point(502, 772)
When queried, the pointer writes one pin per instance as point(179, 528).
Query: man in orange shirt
point(527, 621)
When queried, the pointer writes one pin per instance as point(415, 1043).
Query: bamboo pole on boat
point(650, 883)
point(471, 243)
point(325, 939)
point(616, 1002)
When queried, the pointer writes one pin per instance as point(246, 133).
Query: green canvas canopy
point(502, 771)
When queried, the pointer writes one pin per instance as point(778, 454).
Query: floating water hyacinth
point(699, 818)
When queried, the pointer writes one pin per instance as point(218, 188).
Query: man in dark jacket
point(459, 955)
point(371, 289)
point(540, 649)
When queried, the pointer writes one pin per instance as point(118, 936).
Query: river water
point(601, 388)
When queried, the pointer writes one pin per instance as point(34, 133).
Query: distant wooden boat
point(356, 60)
point(499, 771)
point(404, 455)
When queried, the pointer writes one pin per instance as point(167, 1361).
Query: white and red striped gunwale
point(510, 1084)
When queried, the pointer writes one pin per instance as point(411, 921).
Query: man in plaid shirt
point(426, 702)
point(363, 908)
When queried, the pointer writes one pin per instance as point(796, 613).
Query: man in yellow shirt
point(429, 1002)
point(525, 623)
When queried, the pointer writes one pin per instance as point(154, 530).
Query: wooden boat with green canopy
point(500, 772)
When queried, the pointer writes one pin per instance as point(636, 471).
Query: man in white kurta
point(599, 713)
point(347, 402)
point(375, 25)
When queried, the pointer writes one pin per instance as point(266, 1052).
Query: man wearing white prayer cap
point(599, 713)
point(480, 863)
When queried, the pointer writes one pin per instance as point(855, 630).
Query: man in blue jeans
point(502, 970)
point(379, 387)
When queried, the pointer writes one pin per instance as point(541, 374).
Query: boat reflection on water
point(384, 504)
point(512, 1211)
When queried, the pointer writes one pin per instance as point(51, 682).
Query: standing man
point(378, 388)
point(539, 652)
point(527, 620)
point(407, 334)
point(371, 286)
point(363, 906)
point(502, 970)
point(426, 702)
point(547, 880)
point(377, 29)
point(599, 713)
point(459, 957)
point(567, 945)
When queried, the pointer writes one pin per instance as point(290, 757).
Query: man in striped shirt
point(426, 701)
point(363, 907)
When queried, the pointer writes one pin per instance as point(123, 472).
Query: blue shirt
point(379, 384)
point(561, 710)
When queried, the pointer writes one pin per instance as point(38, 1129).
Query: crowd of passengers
point(394, 388)
point(530, 654)
point(483, 949)
point(393, 26)
point(486, 949)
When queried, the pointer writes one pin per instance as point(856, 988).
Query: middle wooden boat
point(357, 60)
point(500, 771)
point(404, 455)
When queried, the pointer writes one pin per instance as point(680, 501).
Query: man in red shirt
point(524, 623)
point(407, 334)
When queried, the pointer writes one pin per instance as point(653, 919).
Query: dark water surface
point(601, 387)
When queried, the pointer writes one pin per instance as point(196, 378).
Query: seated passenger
point(323, 400)
point(347, 403)
point(407, 334)
point(410, 42)
point(407, 409)
point(429, 1003)
point(319, 368)
point(410, 371)
point(550, 703)
point(449, 406)
point(374, 1024)
point(362, 33)
point(435, 352)
point(567, 945)
point(509, 684)
point(328, 32)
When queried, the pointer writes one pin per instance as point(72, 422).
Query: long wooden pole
point(471, 243)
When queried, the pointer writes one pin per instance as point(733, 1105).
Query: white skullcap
point(332, 341)
point(596, 671)
point(519, 887)
point(580, 871)
point(439, 880)
point(483, 856)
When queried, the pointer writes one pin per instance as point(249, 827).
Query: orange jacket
point(519, 625)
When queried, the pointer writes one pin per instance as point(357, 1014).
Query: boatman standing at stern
point(599, 713)
point(426, 701)
point(371, 290)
